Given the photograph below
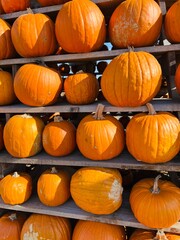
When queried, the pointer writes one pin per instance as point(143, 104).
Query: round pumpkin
point(16, 188)
point(10, 6)
point(42, 226)
point(81, 88)
point(135, 23)
point(7, 95)
point(100, 137)
point(155, 203)
point(89, 229)
point(45, 3)
point(23, 135)
point(172, 22)
point(80, 26)
point(97, 190)
point(131, 79)
point(33, 35)
point(59, 137)
point(53, 187)
point(177, 79)
point(37, 85)
point(158, 134)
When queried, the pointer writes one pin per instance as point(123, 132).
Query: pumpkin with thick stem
point(158, 134)
point(155, 203)
point(10, 6)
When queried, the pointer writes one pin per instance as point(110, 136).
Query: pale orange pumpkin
point(10, 6)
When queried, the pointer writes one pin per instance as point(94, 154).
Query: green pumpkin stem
point(150, 109)
point(155, 188)
point(160, 235)
point(99, 112)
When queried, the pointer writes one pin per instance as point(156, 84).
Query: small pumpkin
point(177, 79)
point(16, 188)
point(23, 135)
point(155, 203)
point(10, 6)
point(89, 229)
point(97, 190)
point(42, 226)
point(45, 3)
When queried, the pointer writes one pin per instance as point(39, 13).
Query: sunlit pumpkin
point(10, 6)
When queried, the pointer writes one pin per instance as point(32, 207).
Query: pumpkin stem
point(160, 235)
point(53, 170)
point(99, 112)
point(155, 189)
point(29, 10)
point(150, 109)
point(15, 174)
point(13, 216)
point(131, 48)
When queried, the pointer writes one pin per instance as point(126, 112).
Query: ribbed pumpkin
point(155, 203)
point(11, 224)
point(131, 79)
point(1, 136)
point(41, 226)
point(81, 88)
point(177, 79)
point(33, 35)
point(135, 23)
point(89, 230)
point(16, 188)
point(100, 137)
point(172, 22)
point(7, 95)
point(53, 186)
point(158, 134)
point(10, 6)
point(97, 190)
point(45, 3)
point(23, 135)
point(59, 137)
point(80, 26)
point(37, 85)
point(6, 46)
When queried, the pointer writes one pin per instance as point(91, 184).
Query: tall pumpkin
point(97, 190)
point(89, 229)
point(93, 128)
point(33, 35)
point(155, 203)
point(37, 85)
point(45, 3)
point(80, 26)
point(42, 226)
point(10, 6)
point(158, 134)
point(23, 135)
point(135, 23)
point(131, 79)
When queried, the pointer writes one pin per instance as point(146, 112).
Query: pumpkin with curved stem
point(80, 26)
point(45, 3)
point(93, 128)
point(10, 6)
point(97, 190)
point(89, 229)
point(158, 134)
point(155, 203)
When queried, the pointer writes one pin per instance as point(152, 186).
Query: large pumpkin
point(135, 23)
point(172, 22)
point(158, 134)
point(177, 79)
point(89, 229)
point(131, 79)
point(45, 3)
point(41, 226)
point(100, 137)
point(37, 85)
point(16, 188)
point(155, 203)
point(97, 190)
point(33, 35)
point(10, 6)
point(53, 187)
point(80, 26)
point(23, 135)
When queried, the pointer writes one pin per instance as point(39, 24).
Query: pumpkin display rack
point(166, 99)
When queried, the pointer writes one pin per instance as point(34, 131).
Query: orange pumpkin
point(37, 85)
point(131, 79)
point(41, 226)
point(97, 190)
point(53, 187)
point(177, 79)
point(89, 229)
point(22, 135)
point(80, 26)
point(45, 3)
point(155, 203)
point(81, 88)
point(59, 137)
point(135, 23)
point(93, 128)
point(10, 6)
point(33, 35)
point(158, 134)
point(16, 188)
